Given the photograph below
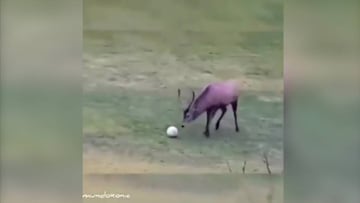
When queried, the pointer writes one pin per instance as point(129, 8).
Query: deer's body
point(213, 97)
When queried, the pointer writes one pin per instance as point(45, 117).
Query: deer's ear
point(180, 100)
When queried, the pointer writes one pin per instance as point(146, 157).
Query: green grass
point(137, 51)
point(144, 116)
point(247, 33)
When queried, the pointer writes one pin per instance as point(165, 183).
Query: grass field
point(136, 55)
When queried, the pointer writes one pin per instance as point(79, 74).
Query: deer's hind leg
point(210, 113)
point(234, 108)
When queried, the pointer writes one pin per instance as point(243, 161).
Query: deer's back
point(221, 93)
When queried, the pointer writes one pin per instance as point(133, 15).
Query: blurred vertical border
point(41, 119)
point(322, 81)
point(41, 58)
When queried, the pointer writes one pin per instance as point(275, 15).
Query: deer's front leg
point(210, 113)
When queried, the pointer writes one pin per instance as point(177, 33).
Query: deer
point(212, 98)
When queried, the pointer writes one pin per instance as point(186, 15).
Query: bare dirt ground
point(186, 188)
point(107, 161)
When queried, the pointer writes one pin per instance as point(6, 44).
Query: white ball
point(172, 131)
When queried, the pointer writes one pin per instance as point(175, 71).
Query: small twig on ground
point(228, 165)
point(244, 167)
point(266, 161)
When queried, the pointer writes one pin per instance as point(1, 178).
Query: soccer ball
point(172, 132)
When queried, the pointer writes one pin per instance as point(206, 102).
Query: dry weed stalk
point(266, 161)
point(244, 167)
